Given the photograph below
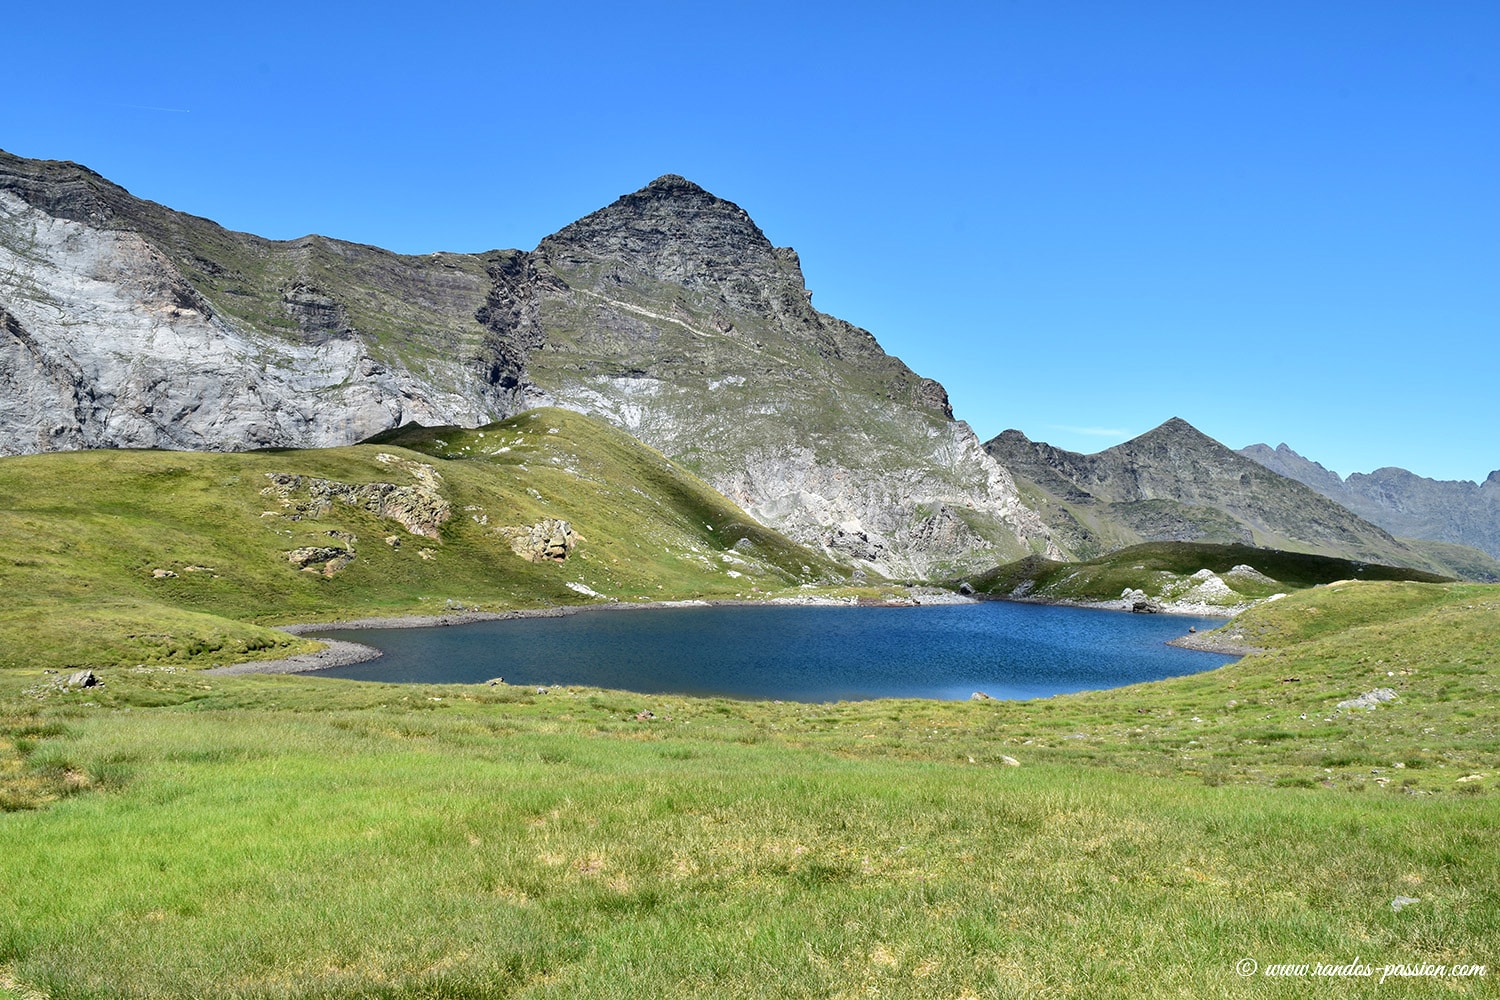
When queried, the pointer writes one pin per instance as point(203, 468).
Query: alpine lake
point(797, 652)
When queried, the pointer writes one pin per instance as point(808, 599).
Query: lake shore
point(1193, 609)
point(1212, 642)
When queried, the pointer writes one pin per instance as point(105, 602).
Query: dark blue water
point(799, 653)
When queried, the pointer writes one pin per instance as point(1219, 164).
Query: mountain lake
point(798, 652)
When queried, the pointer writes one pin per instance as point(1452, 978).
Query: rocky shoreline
point(1213, 642)
point(333, 654)
point(1193, 608)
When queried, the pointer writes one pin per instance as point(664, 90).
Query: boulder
point(1370, 699)
point(549, 540)
point(314, 556)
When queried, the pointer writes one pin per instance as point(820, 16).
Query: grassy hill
point(177, 835)
point(1165, 571)
point(127, 557)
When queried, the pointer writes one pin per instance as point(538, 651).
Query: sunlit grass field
point(174, 834)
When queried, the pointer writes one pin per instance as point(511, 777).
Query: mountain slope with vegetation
point(1228, 577)
point(668, 313)
point(1404, 503)
point(126, 557)
point(1175, 483)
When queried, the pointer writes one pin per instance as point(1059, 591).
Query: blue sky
point(1279, 221)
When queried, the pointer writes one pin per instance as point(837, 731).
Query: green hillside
point(1164, 571)
point(124, 557)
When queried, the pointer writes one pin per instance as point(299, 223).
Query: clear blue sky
point(1279, 221)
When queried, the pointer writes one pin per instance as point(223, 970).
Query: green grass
point(178, 835)
point(89, 535)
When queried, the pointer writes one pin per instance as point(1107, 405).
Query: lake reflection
point(799, 653)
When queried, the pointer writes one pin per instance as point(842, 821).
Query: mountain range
point(1402, 502)
point(668, 313)
point(1175, 483)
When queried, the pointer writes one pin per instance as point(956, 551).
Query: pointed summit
point(669, 185)
point(672, 204)
point(673, 231)
point(1174, 430)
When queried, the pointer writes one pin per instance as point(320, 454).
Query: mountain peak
point(1010, 437)
point(674, 184)
point(673, 231)
point(1175, 430)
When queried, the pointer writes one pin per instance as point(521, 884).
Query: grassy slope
point(83, 534)
point(287, 837)
point(1154, 565)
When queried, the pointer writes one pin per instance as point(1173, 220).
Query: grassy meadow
point(177, 834)
point(173, 834)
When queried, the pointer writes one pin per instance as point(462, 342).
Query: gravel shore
point(333, 654)
point(1212, 642)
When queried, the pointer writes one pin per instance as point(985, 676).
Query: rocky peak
point(668, 313)
point(1282, 460)
point(672, 231)
point(1175, 433)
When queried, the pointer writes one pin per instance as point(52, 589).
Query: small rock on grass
point(1369, 699)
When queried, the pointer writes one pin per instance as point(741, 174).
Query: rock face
point(125, 325)
point(1405, 504)
point(1175, 483)
point(669, 313)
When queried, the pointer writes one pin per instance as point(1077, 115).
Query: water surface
point(799, 653)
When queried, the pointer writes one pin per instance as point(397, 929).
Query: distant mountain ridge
point(668, 313)
point(1457, 511)
point(1175, 483)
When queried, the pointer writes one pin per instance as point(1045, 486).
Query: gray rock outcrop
point(549, 540)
